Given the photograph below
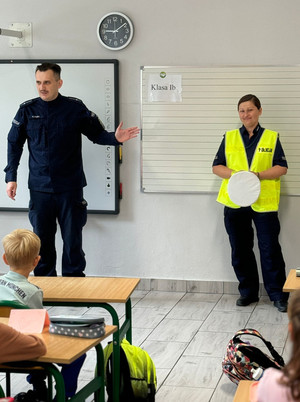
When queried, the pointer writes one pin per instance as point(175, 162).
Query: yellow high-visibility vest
point(236, 159)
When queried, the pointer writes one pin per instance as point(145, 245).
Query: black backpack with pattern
point(242, 358)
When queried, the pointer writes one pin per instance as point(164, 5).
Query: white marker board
point(180, 137)
point(96, 83)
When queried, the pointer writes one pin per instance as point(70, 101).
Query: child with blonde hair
point(21, 254)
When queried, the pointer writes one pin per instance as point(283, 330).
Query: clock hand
point(120, 27)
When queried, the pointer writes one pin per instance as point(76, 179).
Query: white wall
point(176, 236)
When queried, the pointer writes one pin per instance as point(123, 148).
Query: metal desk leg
point(96, 386)
point(128, 320)
point(116, 352)
point(59, 381)
point(100, 373)
point(124, 331)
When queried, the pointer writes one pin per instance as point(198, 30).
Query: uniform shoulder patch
point(94, 116)
point(74, 99)
point(28, 102)
point(16, 122)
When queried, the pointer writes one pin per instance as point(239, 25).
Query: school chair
point(7, 305)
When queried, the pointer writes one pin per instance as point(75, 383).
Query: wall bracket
point(26, 39)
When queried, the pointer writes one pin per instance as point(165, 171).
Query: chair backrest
point(7, 305)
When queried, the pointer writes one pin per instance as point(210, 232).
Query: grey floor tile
point(195, 371)
point(138, 295)
point(168, 393)
point(175, 330)
point(139, 335)
point(146, 317)
point(264, 314)
point(228, 303)
point(276, 334)
point(162, 300)
point(224, 391)
point(191, 310)
point(164, 354)
point(225, 321)
point(202, 297)
point(211, 344)
point(161, 375)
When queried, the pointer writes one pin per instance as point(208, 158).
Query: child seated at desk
point(21, 253)
point(15, 346)
point(283, 385)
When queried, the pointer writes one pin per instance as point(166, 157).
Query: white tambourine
point(244, 188)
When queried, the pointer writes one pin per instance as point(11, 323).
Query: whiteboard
point(95, 82)
point(181, 136)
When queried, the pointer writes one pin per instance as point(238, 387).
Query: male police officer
point(53, 124)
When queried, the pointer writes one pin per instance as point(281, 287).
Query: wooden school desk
point(292, 282)
point(242, 393)
point(64, 350)
point(94, 292)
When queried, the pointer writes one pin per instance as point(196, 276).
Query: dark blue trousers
point(69, 209)
point(238, 224)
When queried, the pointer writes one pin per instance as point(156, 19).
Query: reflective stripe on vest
point(236, 159)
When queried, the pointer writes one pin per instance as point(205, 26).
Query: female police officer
point(258, 150)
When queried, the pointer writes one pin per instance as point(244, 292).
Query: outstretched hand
point(126, 134)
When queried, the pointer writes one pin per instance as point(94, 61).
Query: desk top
point(292, 282)
point(65, 349)
point(91, 289)
point(242, 393)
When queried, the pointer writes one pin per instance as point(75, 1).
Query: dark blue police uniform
point(238, 224)
point(53, 131)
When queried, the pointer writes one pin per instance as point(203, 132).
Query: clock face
point(115, 31)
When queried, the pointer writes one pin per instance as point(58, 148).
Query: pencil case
point(78, 326)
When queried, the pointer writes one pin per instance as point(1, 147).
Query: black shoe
point(281, 305)
point(39, 387)
point(246, 300)
point(29, 396)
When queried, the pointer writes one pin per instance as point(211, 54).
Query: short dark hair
point(50, 66)
point(250, 98)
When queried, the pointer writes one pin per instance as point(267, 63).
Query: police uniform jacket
point(53, 131)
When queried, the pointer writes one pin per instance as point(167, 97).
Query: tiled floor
point(186, 335)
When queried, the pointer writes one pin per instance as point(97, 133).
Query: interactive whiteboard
point(96, 83)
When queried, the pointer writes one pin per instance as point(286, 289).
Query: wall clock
point(115, 31)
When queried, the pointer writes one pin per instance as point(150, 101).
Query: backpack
point(242, 357)
point(137, 373)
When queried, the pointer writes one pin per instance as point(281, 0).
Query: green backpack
point(137, 373)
